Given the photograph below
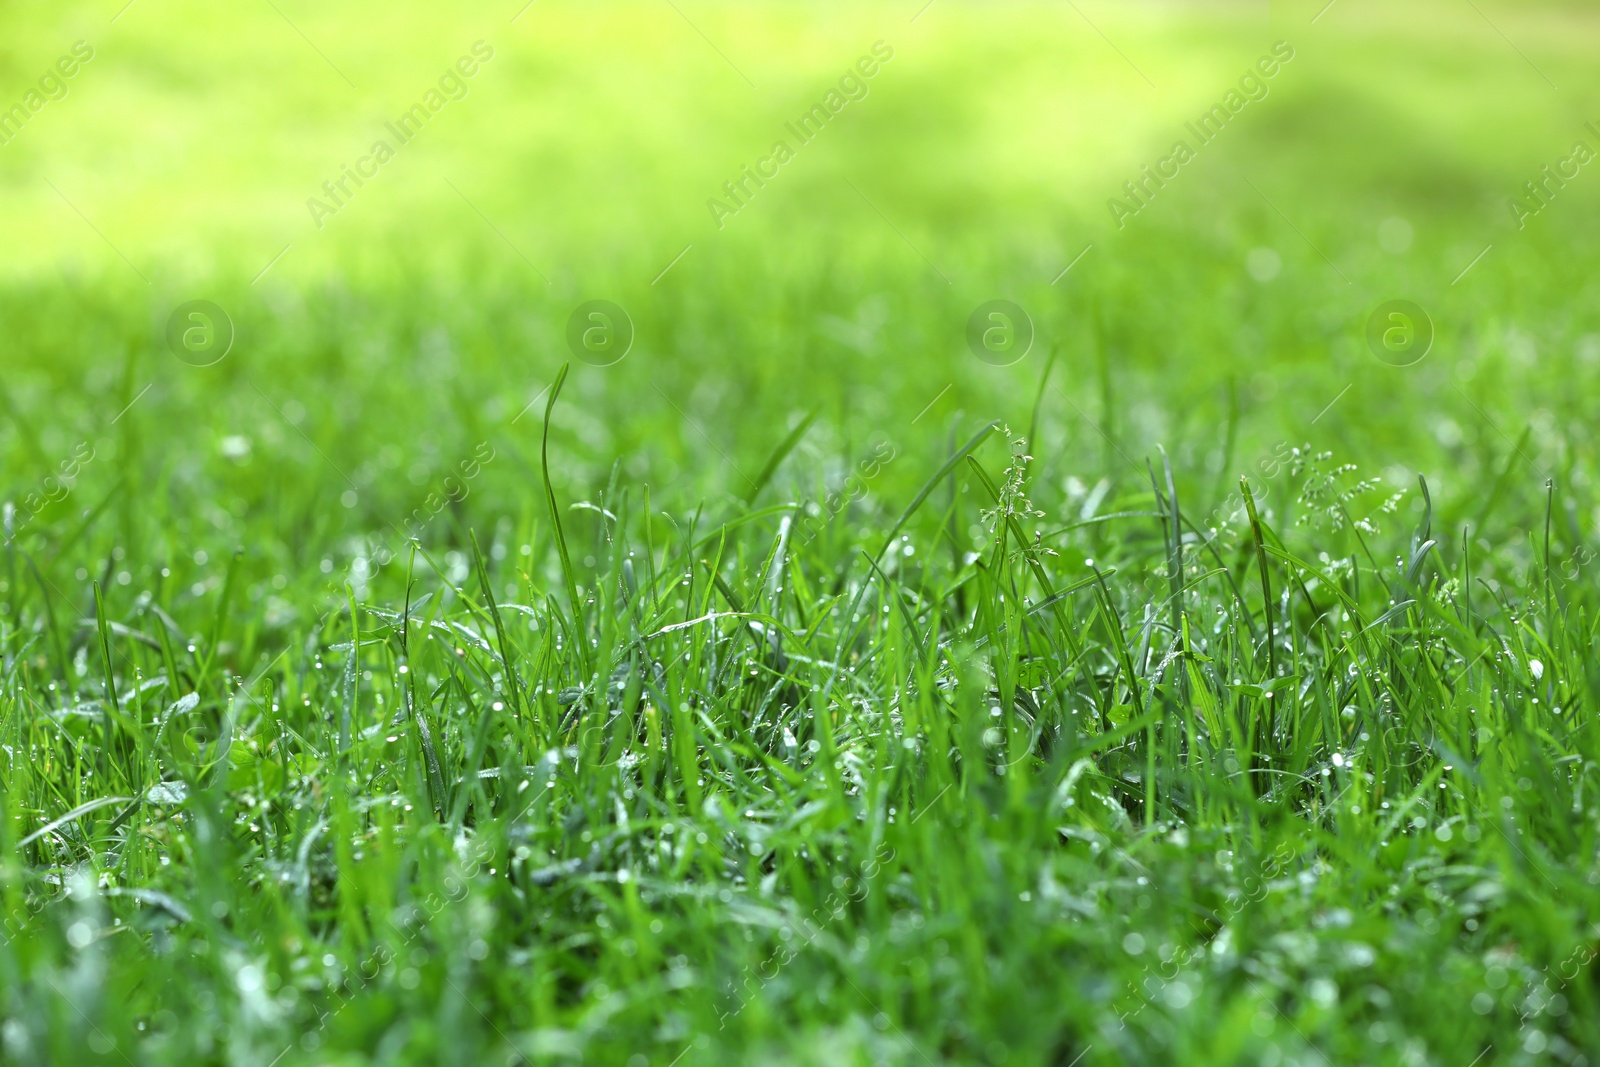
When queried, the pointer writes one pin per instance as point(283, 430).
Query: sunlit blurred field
point(580, 161)
point(241, 527)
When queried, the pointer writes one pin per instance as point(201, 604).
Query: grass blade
point(779, 454)
point(580, 631)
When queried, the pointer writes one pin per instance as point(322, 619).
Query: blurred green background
point(432, 307)
point(427, 319)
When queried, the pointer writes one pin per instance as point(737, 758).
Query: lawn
point(678, 533)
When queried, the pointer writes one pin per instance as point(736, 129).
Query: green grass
point(799, 689)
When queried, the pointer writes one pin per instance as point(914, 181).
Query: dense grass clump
point(997, 766)
point(411, 686)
